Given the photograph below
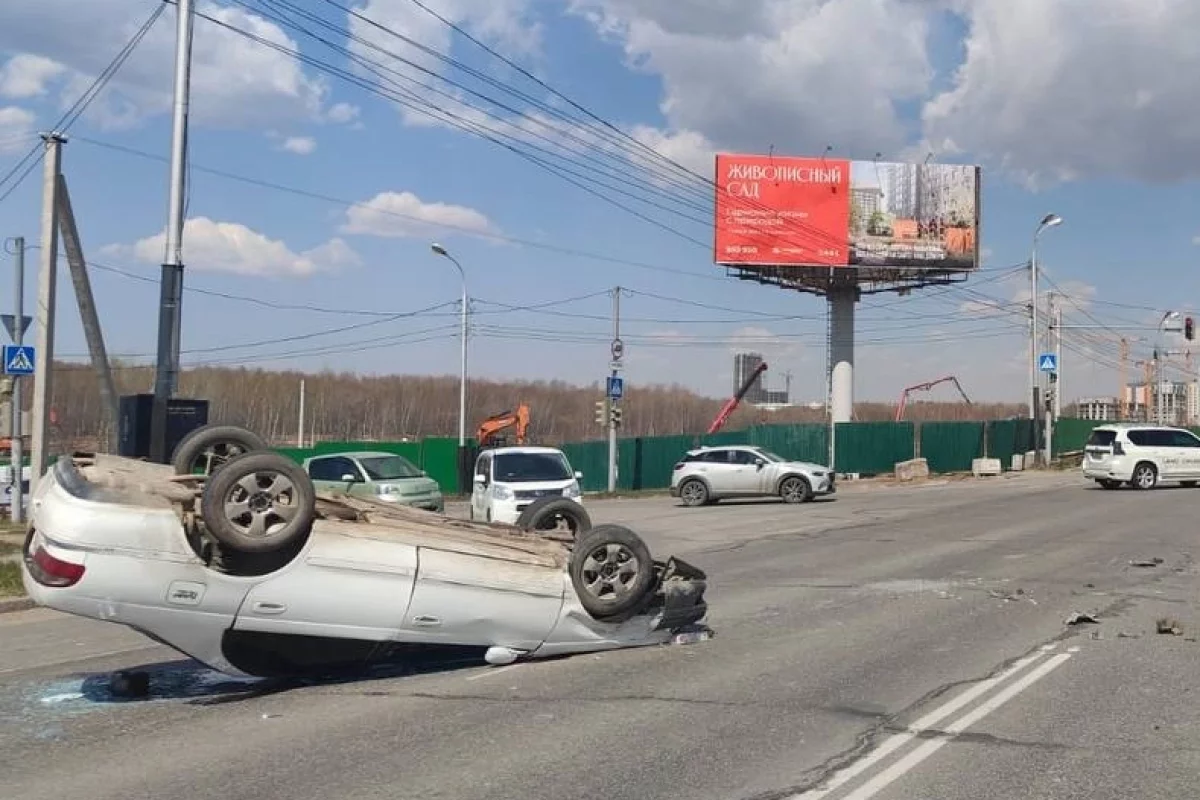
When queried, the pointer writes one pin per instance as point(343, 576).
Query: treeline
point(347, 407)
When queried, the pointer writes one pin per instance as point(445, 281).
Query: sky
point(560, 148)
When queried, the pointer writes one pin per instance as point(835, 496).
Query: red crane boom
point(732, 403)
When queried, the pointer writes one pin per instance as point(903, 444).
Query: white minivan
point(1142, 455)
point(508, 479)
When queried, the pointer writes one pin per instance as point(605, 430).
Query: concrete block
point(985, 466)
point(912, 470)
point(1018, 462)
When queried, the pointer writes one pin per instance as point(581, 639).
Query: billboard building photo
point(911, 215)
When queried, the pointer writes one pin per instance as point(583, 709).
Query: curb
point(9, 605)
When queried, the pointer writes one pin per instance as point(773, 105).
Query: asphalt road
point(906, 644)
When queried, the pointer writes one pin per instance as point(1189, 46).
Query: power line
point(80, 105)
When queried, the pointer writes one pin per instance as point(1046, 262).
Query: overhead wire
point(76, 109)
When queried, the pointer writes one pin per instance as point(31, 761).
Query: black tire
point(208, 448)
point(1105, 483)
point(546, 514)
point(612, 571)
point(1145, 476)
point(694, 492)
point(253, 484)
point(795, 489)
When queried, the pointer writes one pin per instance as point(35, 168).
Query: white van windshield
point(529, 467)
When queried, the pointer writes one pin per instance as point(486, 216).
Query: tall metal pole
point(462, 368)
point(612, 420)
point(1058, 362)
point(171, 290)
point(1048, 420)
point(1033, 329)
point(43, 390)
point(300, 427)
point(17, 448)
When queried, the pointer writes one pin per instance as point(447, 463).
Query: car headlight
point(572, 490)
point(501, 492)
point(385, 489)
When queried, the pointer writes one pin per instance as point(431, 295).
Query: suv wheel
point(1145, 476)
point(693, 492)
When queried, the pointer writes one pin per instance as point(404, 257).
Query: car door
point(714, 466)
point(479, 492)
point(744, 473)
point(1169, 457)
point(1186, 446)
point(343, 587)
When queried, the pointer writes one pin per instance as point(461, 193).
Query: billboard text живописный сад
point(819, 212)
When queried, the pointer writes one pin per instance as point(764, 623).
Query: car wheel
point(206, 449)
point(1145, 476)
point(693, 492)
point(612, 571)
point(794, 489)
point(1109, 484)
point(258, 502)
point(555, 514)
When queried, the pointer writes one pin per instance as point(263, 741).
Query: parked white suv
point(1141, 455)
point(709, 474)
point(508, 479)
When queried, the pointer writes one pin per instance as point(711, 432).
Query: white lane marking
point(492, 671)
point(898, 740)
point(880, 781)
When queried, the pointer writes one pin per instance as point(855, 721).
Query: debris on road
point(129, 683)
point(1008, 596)
point(692, 635)
point(1078, 618)
point(1145, 562)
point(1171, 626)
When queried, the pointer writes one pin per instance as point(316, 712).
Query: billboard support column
point(841, 351)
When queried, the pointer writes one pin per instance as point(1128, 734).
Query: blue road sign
point(18, 359)
point(1048, 362)
point(616, 387)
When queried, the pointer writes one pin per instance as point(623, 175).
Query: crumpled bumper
point(679, 600)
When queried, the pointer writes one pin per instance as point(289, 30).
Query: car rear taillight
point(50, 571)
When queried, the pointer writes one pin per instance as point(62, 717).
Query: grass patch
point(10, 580)
point(9, 548)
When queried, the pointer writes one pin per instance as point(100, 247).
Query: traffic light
point(616, 416)
point(1189, 329)
point(602, 412)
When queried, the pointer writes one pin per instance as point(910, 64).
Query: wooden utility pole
point(1122, 376)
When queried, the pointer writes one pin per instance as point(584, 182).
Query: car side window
point(1184, 439)
point(1141, 438)
point(484, 467)
point(742, 457)
point(332, 469)
point(1161, 438)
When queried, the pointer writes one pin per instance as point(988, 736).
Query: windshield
point(522, 467)
point(389, 468)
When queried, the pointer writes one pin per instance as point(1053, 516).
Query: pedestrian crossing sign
point(18, 359)
point(1048, 362)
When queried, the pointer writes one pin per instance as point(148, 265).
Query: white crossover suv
point(708, 474)
point(1141, 455)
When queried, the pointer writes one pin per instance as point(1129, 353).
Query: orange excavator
point(488, 433)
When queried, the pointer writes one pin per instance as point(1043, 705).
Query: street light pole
point(1048, 221)
point(462, 377)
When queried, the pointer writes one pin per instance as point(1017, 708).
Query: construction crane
point(488, 433)
point(924, 387)
point(732, 403)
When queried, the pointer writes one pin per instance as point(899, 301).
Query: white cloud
point(1196, 240)
point(686, 148)
point(401, 214)
point(342, 113)
point(236, 82)
point(300, 145)
point(27, 75)
point(1040, 94)
point(231, 247)
point(799, 74)
point(16, 129)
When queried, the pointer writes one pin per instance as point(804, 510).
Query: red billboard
point(784, 211)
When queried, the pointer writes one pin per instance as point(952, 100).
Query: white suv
point(508, 479)
point(1141, 455)
point(708, 474)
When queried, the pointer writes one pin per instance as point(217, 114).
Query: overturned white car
point(243, 567)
